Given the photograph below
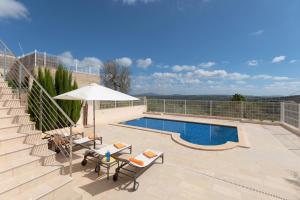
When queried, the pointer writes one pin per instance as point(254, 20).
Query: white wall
point(113, 115)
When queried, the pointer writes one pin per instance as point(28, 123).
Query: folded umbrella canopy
point(94, 92)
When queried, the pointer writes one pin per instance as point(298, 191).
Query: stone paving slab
point(267, 170)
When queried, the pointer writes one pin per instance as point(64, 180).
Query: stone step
point(7, 90)
point(15, 185)
point(3, 83)
point(9, 139)
point(10, 103)
point(48, 158)
point(33, 136)
point(16, 151)
point(4, 96)
point(14, 119)
point(40, 148)
point(52, 189)
point(17, 166)
point(18, 128)
point(12, 110)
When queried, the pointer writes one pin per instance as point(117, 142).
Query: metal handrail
point(33, 78)
point(57, 119)
point(48, 126)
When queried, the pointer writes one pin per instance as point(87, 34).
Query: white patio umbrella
point(94, 92)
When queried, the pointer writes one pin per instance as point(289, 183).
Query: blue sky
point(171, 46)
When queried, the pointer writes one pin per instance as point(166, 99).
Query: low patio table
point(103, 163)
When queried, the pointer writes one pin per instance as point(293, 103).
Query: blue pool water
point(196, 133)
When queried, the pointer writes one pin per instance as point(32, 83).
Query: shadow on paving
point(101, 184)
point(295, 181)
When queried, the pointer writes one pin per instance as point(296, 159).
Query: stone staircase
point(28, 169)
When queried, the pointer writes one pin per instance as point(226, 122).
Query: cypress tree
point(54, 86)
point(76, 106)
point(63, 83)
point(52, 110)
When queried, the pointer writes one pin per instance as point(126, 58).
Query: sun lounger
point(133, 169)
point(100, 153)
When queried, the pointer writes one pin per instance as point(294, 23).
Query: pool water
point(196, 133)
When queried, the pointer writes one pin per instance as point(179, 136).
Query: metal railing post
point(5, 63)
point(41, 111)
point(210, 107)
point(45, 57)
point(282, 112)
point(71, 150)
point(164, 105)
point(242, 109)
point(35, 52)
point(299, 116)
point(76, 65)
point(20, 81)
point(185, 107)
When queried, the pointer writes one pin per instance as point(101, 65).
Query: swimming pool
point(196, 133)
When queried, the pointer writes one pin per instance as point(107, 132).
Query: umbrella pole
point(94, 124)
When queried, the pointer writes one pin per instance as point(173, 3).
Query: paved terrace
point(267, 170)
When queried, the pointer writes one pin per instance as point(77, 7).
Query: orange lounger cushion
point(149, 154)
point(136, 161)
point(119, 145)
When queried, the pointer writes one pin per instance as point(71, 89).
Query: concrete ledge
point(290, 128)
point(243, 140)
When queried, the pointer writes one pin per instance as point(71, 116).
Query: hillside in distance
point(295, 98)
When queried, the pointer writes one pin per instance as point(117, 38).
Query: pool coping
point(243, 140)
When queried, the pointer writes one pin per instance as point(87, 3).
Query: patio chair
point(61, 138)
point(100, 153)
point(84, 141)
point(133, 169)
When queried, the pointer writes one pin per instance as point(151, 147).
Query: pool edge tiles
point(242, 139)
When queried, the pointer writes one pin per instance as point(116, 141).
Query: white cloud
point(67, 59)
point(91, 62)
point(268, 77)
point(125, 61)
point(262, 76)
point(294, 61)
point(144, 63)
point(12, 9)
point(190, 81)
point(214, 73)
point(132, 2)
point(165, 75)
point(207, 64)
point(280, 78)
point(237, 76)
point(278, 59)
point(283, 87)
point(252, 62)
point(241, 82)
point(179, 68)
point(258, 32)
